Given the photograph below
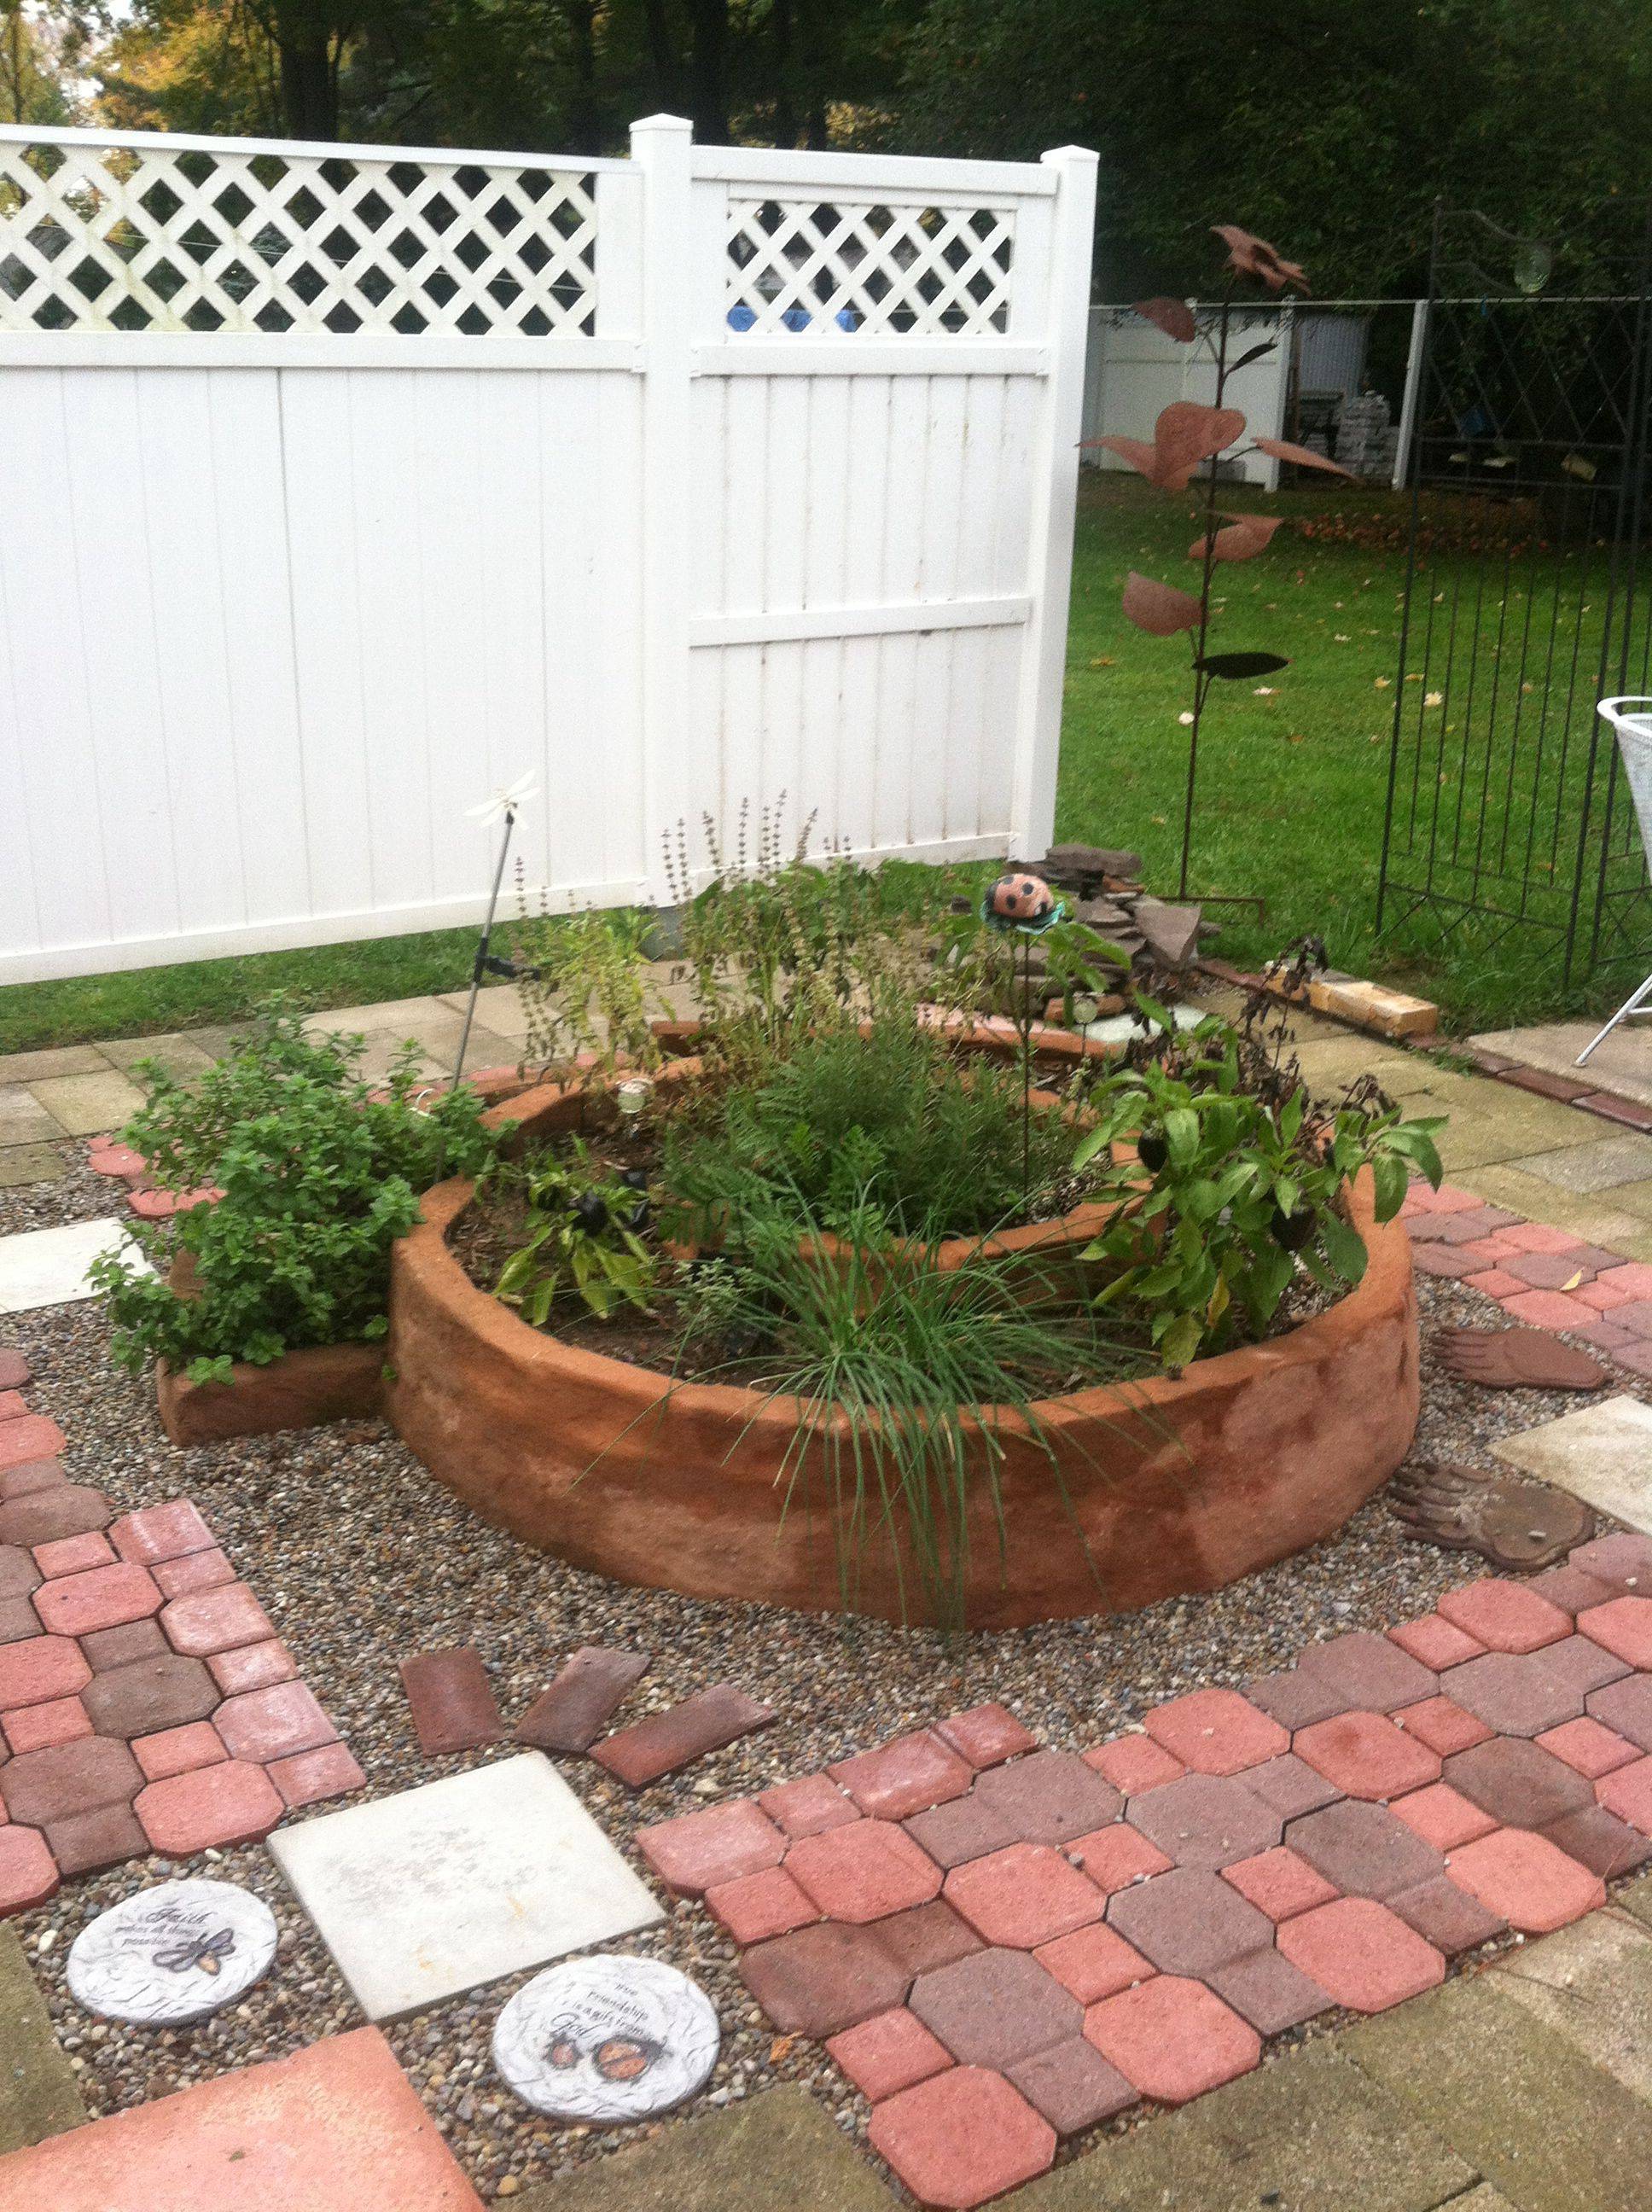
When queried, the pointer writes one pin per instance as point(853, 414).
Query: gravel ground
point(360, 1558)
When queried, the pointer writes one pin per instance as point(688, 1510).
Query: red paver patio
point(962, 2138)
point(1172, 2039)
point(1361, 1954)
point(333, 2128)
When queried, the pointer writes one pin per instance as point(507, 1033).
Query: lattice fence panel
point(140, 238)
point(843, 266)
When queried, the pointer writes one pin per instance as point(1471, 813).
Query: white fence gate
point(340, 486)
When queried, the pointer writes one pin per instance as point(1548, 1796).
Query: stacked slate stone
point(1367, 441)
point(1103, 888)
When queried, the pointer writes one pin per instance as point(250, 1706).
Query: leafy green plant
point(907, 1379)
point(1245, 1180)
point(887, 1117)
point(586, 989)
point(582, 1235)
point(320, 1172)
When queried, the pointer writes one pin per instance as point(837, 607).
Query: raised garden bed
point(1170, 1485)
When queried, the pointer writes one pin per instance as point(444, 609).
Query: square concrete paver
point(26, 1164)
point(444, 1887)
point(1600, 1166)
point(47, 1266)
point(86, 1105)
point(24, 1121)
point(338, 2128)
point(1601, 1454)
point(1623, 1064)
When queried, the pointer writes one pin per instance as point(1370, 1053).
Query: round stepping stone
point(1516, 1359)
point(174, 1953)
point(606, 2041)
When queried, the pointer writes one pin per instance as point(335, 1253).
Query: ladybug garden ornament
point(1021, 901)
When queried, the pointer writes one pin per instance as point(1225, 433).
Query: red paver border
point(129, 1639)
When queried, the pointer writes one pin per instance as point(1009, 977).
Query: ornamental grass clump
point(320, 1171)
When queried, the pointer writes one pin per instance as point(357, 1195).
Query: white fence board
point(771, 494)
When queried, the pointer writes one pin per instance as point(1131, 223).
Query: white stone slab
point(172, 1954)
point(607, 2040)
point(1601, 1454)
point(451, 1884)
point(1122, 1029)
point(47, 1266)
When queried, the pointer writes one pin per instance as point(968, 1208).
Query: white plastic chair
point(1631, 721)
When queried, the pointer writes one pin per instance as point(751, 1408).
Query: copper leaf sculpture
point(1190, 435)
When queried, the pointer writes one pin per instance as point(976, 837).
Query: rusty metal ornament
point(1514, 1522)
point(1020, 900)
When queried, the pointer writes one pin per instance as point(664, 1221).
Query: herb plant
point(583, 1236)
point(1245, 1180)
point(320, 1172)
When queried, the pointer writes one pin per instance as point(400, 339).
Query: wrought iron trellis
point(1526, 600)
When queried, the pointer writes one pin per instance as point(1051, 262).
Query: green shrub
point(319, 1176)
point(579, 1239)
point(1245, 1179)
point(889, 1119)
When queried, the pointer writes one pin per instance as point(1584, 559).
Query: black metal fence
point(1528, 597)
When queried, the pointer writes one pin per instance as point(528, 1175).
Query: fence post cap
point(1066, 156)
point(679, 123)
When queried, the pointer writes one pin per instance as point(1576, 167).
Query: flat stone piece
point(995, 2006)
point(309, 1776)
point(39, 1787)
point(1094, 1962)
point(179, 1750)
point(108, 1648)
point(807, 1806)
point(1365, 1850)
point(170, 1531)
point(986, 1735)
point(1623, 1626)
point(1504, 1615)
point(1051, 1797)
point(1309, 2133)
point(1444, 1726)
point(1601, 1454)
point(14, 1368)
point(19, 1573)
point(1436, 1642)
point(1597, 1840)
point(1517, 1360)
point(18, 1619)
point(1362, 1954)
point(926, 1936)
point(1365, 1755)
point(891, 2053)
point(34, 1474)
point(1188, 1921)
point(699, 1851)
point(1267, 1990)
point(1023, 1896)
point(98, 1597)
point(1291, 1786)
point(1134, 1763)
point(28, 1873)
point(909, 1776)
point(39, 1668)
point(1207, 1820)
point(1172, 2039)
point(61, 1509)
point(1216, 1731)
point(39, 2092)
point(961, 2137)
point(1591, 1749)
point(1518, 1784)
point(172, 1954)
point(819, 1980)
point(1606, 1961)
point(338, 2125)
point(665, 1741)
point(208, 1807)
point(450, 1886)
point(1449, 1917)
point(274, 1723)
point(755, 1907)
point(1297, 1698)
point(103, 1836)
point(1279, 1883)
point(1525, 1693)
point(1072, 2085)
point(451, 1701)
point(34, 1728)
point(48, 1267)
point(1624, 1706)
point(1369, 1671)
point(964, 1828)
point(863, 1872)
point(1529, 1881)
point(251, 1666)
point(147, 1695)
point(1441, 1817)
point(1115, 1857)
point(607, 2040)
point(578, 1704)
point(215, 1620)
point(1621, 1561)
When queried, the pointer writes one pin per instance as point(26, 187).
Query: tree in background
point(43, 50)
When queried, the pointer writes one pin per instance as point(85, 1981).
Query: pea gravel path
point(360, 1558)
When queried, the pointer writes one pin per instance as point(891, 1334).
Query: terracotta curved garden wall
point(1169, 1487)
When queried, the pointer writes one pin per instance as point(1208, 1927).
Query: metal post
point(480, 966)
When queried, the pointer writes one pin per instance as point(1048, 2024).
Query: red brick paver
point(1172, 2039)
point(1216, 1732)
point(961, 2137)
point(1361, 1954)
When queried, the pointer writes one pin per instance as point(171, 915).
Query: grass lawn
point(1291, 783)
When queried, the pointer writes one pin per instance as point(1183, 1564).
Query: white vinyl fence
point(340, 486)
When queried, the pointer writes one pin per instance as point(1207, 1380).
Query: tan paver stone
point(26, 1163)
point(39, 2094)
point(1601, 1454)
point(1614, 1218)
point(498, 1009)
point(24, 1121)
point(1311, 2133)
point(771, 2152)
point(54, 1060)
point(1622, 1064)
point(1600, 1166)
point(179, 1053)
point(85, 1105)
point(1538, 2119)
point(1591, 1983)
